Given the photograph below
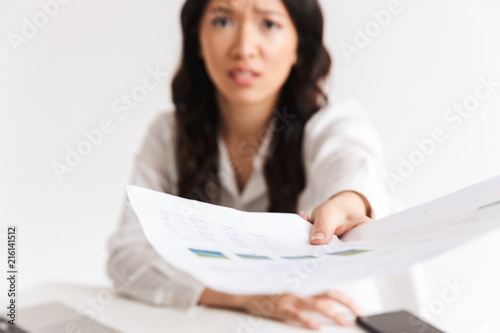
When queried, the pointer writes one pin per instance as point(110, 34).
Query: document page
point(241, 252)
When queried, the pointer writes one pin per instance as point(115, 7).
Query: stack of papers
point(241, 252)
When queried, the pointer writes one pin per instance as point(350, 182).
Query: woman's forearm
point(211, 297)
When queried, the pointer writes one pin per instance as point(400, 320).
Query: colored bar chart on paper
point(249, 256)
point(208, 254)
point(348, 252)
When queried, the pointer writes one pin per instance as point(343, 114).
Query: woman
point(253, 130)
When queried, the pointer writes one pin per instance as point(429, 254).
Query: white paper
point(240, 252)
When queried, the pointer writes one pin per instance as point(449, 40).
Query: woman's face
point(248, 47)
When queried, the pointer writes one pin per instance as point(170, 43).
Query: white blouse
point(342, 152)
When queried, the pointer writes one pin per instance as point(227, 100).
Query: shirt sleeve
point(134, 266)
point(343, 152)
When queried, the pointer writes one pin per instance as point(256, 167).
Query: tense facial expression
point(249, 48)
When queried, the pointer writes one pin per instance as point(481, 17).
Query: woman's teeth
point(243, 74)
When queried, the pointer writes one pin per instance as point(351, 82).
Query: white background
point(65, 78)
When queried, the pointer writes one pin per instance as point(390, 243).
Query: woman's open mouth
point(243, 76)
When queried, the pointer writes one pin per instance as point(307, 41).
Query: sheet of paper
point(254, 253)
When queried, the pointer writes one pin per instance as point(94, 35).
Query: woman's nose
point(245, 41)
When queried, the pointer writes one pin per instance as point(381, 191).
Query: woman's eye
point(220, 21)
point(270, 24)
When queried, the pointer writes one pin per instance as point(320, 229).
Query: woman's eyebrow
point(268, 12)
point(221, 9)
point(229, 10)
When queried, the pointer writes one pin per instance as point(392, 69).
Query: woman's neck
point(240, 122)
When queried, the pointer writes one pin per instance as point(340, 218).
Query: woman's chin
point(245, 98)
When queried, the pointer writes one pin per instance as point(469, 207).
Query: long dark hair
point(197, 114)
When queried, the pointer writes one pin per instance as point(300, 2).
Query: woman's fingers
point(290, 307)
point(326, 308)
point(284, 309)
point(289, 312)
point(351, 224)
point(341, 319)
point(304, 216)
point(341, 298)
point(324, 226)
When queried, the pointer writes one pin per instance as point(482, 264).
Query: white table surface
point(130, 316)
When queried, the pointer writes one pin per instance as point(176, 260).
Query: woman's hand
point(292, 308)
point(338, 215)
point(286, 307)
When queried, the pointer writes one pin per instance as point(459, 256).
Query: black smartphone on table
point(395, 322)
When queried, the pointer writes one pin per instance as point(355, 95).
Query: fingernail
point(318, 235)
